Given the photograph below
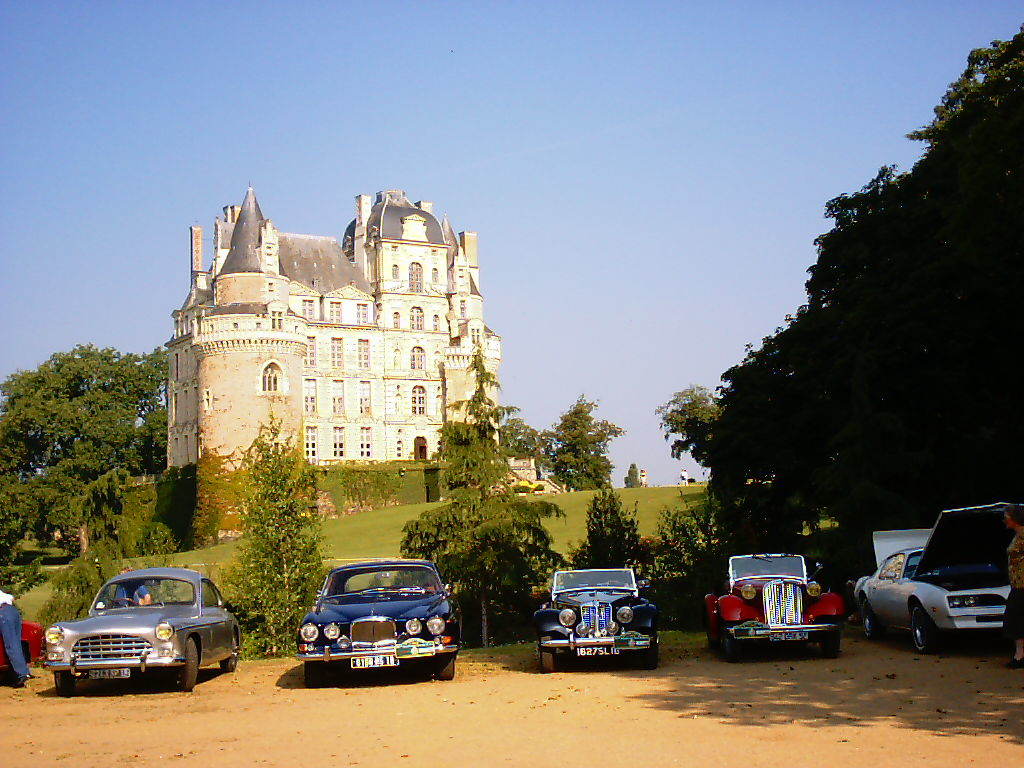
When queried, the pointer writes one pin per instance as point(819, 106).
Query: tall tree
point(77, 416)
point(576, 447)
point(687, 419)
point(278, 568)
point(613, 534)
point(520, 439)
point(632, 477)
point(492, 544)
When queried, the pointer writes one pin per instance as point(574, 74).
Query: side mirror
point(643, 583)
point(228, 607)
point(448, 588)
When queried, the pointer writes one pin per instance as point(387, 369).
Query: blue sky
point(647, 179)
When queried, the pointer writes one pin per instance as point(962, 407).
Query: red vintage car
point(770, 599)
point(31, 644)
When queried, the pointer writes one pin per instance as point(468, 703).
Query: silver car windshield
point(761, 566)
point(128, 593)
point(618, 578)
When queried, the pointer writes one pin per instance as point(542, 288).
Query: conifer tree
point(613, 534)
point(633, 477)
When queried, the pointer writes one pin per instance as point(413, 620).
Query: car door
point(885, 597)
point(216, 619)
point(903, 586)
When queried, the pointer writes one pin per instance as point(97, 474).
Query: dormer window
point(414, 227)
point(309, 309)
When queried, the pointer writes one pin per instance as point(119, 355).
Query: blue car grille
point(783, 603)
point(597, 616)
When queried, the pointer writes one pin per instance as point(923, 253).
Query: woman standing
point(1013, 619)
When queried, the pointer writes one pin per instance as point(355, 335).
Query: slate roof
point(244, 255)
point(318, 261)
point(386, 218)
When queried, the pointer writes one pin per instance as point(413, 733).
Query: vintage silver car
point(152, 619)
point(951, 577)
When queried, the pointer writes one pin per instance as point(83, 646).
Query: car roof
point(186, 574)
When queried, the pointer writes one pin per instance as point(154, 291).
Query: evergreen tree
point(632, 477)
point(576, 448)
point(613, 535)
point(493, 545)
point(278, 568)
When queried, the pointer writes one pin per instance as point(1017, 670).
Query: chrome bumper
point(631, 642)
point(146, 661)
point(757, 631)
point(403, 653)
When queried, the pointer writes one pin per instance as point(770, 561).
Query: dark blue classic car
point(384, 613)
point(597, 613)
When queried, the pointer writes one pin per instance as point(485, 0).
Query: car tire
point(649, 658)
point(230, 664)
point(189, 672)
point(65, 683)
point(731, 649)
point(923, 632)
point(548, 661)
point(446, 671)
point(313, 674)
point(873, 629)
point(831, 646)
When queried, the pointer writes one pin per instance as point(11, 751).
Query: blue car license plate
point(369, 662)
point(597, 651)
point(107, 674)
point(794, 635)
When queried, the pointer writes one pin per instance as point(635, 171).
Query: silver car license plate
point(794, 635)
point(368, 662)
point(597, 651)
point(107, 674)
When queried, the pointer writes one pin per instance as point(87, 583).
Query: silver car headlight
point(567, 617)
point(624, 614)
point(164, 631)
point(436, 625)
point(309, 632)
point(414, 626)
point(55, 635)
point(962, 601)
point(332, 631)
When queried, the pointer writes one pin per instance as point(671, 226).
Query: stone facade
point(359, 347)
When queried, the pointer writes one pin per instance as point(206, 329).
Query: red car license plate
point(795, 635)
point(369, 662)
point(107, 674)
point(597, 651)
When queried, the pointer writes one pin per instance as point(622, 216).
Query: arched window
point(394, 271)
point(419, 400)
point(416, 319)
point(417, 359)
point(272, 377)
point(437, 322)
point(415, 277)
point(396, 320)
point(433, 275)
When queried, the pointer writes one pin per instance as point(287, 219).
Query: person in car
point(140, 595)
point(1013, 618)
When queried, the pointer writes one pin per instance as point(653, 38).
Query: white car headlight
point(612, 628)
point(436, 625)
point(813, 589)
point(567, 617)
point(309, 632)
point(414, 626)
point(55, 635)
point(624, 614)
point(332, 631)
point(748, 591)
point(164, 631)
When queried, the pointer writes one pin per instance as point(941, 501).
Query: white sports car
point(950, 577)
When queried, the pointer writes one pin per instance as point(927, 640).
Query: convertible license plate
point(794, 635)
point(597, 651)
point(107, 674)
point(368, 662)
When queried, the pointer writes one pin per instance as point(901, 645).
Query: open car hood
point(888, 542)
point(968, 536)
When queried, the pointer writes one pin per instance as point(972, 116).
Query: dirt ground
point(877, 705)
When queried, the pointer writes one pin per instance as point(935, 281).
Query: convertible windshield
point(619, 578)
point(754, 566)
point(414, 578)
point(126, 593)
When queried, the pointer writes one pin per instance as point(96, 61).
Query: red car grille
point(783, 603)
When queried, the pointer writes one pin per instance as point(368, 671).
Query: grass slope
point(379, 533)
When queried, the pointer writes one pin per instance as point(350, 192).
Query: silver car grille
point(373, 631)
point(597, 616)
point(783, 603)
point(110, 647)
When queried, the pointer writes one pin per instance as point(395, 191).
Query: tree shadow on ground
point(965, 690)
point(336, 675)
point(152, 682)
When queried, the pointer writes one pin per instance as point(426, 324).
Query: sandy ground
point(878, 705)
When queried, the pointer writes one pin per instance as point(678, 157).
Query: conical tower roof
point(244, 255)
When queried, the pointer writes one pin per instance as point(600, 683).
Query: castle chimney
point(363, 206)
point(468, 241)
point(425, 205)
point(197, 247)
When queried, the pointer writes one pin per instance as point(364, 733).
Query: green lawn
point(379, 533)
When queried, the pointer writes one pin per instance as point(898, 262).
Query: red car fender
point(733, 608)
point(829, 604)
point(711, 615)
point(31, 635)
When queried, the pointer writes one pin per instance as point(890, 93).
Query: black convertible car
point(597, 613)
point(385, 613)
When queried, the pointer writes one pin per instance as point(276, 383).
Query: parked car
point(31, 646)
point(770, 598)
point(387, 613)
point(144, 621)
point(951, 577)
point(597, 612)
